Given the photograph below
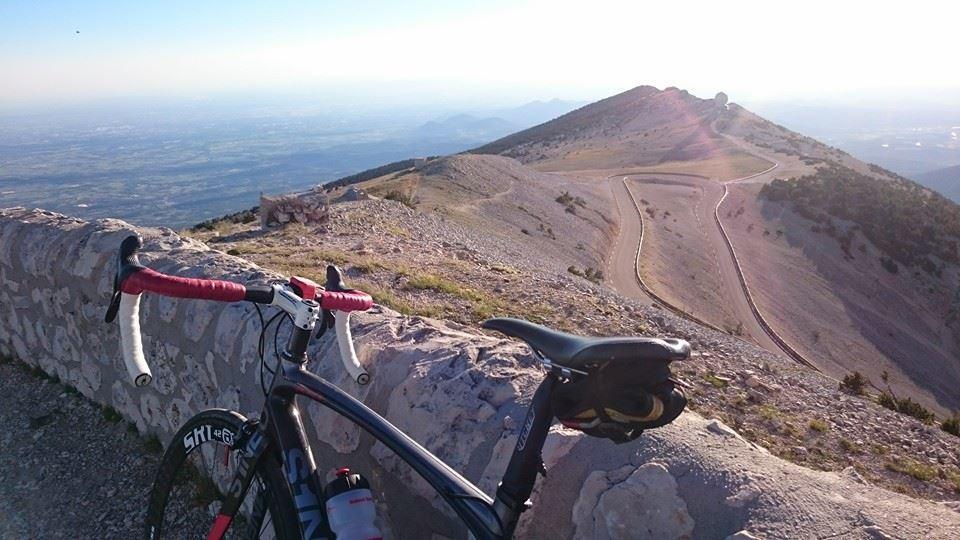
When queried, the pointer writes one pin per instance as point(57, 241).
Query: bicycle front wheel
point(196, 470)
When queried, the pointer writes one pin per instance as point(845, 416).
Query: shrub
point(153, 445)
point(715, 381)
point(593, 274)
point(887, 400)
point(571, 202)
point(905, 406)
point(848, 446)
point(952, 425)
point(889, 265)
point(912, 408)
point(589, 272)
point(403, 198)
point(819, 425)
point(111, 415)
point(565, 198)
point(854, 383)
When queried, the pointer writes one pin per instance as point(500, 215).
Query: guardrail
point(790, 351)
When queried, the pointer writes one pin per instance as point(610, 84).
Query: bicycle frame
point(280, 428)
point(486, 518)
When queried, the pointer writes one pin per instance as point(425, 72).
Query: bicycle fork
point(251, 444)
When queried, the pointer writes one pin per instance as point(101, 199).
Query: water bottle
point(350, 507)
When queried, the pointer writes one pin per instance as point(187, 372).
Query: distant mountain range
point(464, 127)
point(478, 127)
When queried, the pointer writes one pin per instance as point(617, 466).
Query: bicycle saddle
point(581, 352)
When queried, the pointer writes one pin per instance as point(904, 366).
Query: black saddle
point(580, 352)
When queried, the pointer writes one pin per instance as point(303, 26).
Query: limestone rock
point(644, 505)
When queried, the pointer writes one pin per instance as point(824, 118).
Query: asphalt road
point(621, 266)
point(622, 263)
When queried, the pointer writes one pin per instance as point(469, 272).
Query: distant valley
point(917, 140)
point(174, 166)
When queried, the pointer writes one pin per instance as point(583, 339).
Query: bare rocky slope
point(641, 127)
point(562, 219)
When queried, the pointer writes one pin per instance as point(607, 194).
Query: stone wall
point(459, 393)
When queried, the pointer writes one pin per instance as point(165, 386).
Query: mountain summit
point(642, 126)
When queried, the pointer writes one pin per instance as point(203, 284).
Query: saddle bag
point(618, 400)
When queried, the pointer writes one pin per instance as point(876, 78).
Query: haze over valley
point(178, 162)
point(916, 137)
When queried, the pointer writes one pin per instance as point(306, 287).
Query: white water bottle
point(350, 507)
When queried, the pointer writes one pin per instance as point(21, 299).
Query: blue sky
point(494, 51)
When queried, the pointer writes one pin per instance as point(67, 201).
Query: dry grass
point(715, 381)
point(919, 471)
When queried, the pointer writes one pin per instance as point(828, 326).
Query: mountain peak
point(641, 126)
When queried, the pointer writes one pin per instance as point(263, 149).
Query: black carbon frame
point(485, 518)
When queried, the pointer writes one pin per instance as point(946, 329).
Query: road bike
point(223, 475)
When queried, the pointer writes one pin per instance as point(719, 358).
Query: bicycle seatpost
point(521, 474)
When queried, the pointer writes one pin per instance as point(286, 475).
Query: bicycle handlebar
point(299, 300)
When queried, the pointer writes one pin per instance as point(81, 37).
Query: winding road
point(623, 266)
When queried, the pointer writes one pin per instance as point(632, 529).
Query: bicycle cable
point(261, 349)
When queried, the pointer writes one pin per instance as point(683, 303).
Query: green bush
point(854, 383)
point(571, 202)
point(887, 400)
point(952, 425)
point(401, 197)
point(905, 406)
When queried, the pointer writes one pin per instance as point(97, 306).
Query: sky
point(494, 52)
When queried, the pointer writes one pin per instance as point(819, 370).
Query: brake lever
point(127, 264)
point(334, 283)
point(326, 322)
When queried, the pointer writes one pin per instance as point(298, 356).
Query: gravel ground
point(69, 469)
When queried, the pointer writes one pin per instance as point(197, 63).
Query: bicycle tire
point(189, 513)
